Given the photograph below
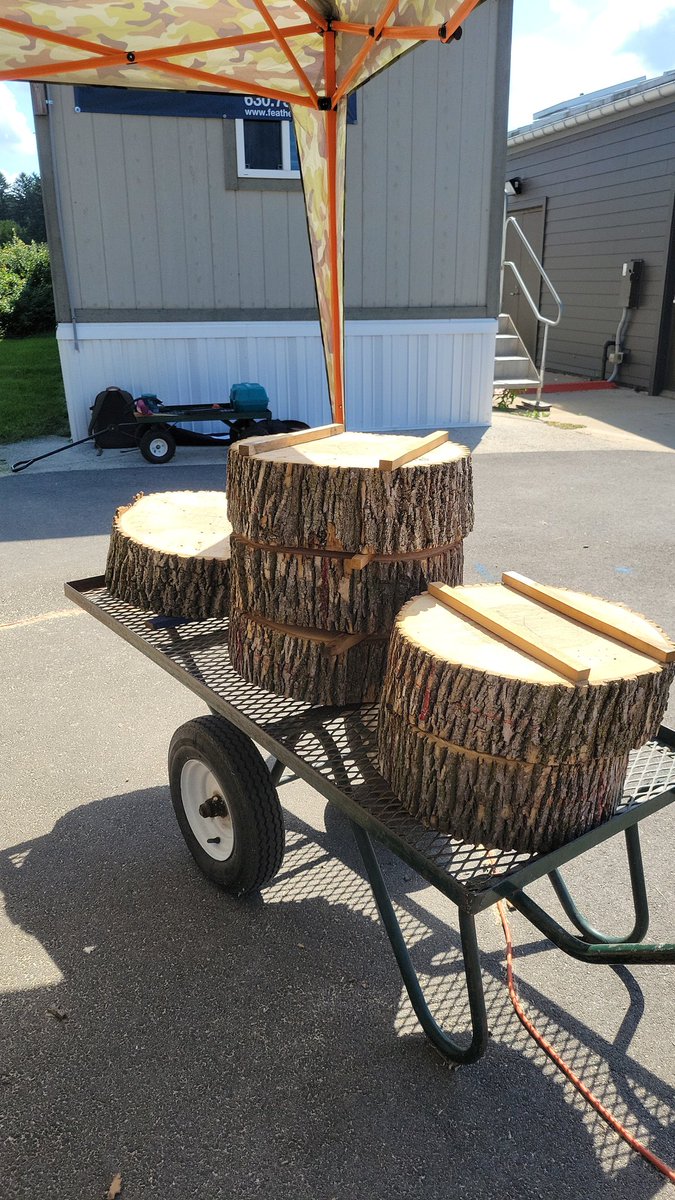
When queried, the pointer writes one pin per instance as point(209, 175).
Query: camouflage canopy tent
point(309, 53)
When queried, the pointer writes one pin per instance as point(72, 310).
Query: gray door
point(531, 221)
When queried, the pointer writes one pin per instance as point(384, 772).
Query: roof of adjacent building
point(610, 101)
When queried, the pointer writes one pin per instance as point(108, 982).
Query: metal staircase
point(513, 366)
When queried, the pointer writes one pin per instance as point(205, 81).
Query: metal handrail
point(547, 322)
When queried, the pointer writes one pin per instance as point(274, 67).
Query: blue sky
point(561, 49)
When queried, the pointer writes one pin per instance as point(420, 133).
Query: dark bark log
point(296, 664)
point(501, 803)
point(320, 591)
point(516, 718)
point(285, 503)
point(176, 585)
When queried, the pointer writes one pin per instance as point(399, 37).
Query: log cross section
point(575, 671)
point(662, 649)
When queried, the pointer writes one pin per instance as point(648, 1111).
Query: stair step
point(505, 324)
point(508, 343)
point(513, 383)
point(514, 366)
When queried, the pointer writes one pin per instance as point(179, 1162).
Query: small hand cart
point(228, 810)
point(156, 440)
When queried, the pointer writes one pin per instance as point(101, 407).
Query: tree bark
point(506, 803)
point(519, 763)
point(171, 583)
point(300, 663)
point(281, 502)
point(321, 591)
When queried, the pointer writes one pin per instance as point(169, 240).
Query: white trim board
point(399, 374)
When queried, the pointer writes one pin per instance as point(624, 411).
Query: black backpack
point(115, 407)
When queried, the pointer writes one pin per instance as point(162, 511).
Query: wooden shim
point(569, 668)
point(422, 445)
point(278, 441)
point(547, 597)
point(358, 561)
point(342, 643)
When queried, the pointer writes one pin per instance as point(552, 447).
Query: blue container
point(248, 397)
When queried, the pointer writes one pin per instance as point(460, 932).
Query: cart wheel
point(226, 804)
point(157, 445)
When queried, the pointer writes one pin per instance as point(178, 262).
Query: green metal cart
point(228, 810)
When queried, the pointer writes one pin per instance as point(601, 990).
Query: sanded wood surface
point(170, 553)
point(469, 604)
point(521, 758)
point(626, 626)
point(331, 494)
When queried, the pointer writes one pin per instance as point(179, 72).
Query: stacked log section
point(299, 664)
point(332, 494)
point(327, 546)
point(169, 553)
point(480, 740)
point(322, 591)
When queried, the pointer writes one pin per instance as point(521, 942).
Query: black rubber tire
point(146, 440)
point(251, 798)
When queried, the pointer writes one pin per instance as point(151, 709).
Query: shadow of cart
point(221, 1048)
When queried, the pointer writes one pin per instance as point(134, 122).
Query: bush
point(26, 297)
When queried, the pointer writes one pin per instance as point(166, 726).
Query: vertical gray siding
point(150, 226)
point(610, 187)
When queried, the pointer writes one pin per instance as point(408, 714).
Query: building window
point(267, 149)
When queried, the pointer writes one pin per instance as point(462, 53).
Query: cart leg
point(276, 771)
point(474, 982)
point(638, 888)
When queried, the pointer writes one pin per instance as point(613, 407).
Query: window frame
point(285, 172)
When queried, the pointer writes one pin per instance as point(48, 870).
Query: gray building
point(182, 261)
point(597, 191)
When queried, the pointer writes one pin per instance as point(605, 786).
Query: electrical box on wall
point(629, 289)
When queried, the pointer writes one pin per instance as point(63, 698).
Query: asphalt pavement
point(213, 1049)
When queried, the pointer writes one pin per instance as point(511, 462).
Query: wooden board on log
point(278, 441)
point(479, 738)
point(169, 553)
point(332, 494)
point(625, 626)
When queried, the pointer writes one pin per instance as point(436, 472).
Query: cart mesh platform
point(335, 750)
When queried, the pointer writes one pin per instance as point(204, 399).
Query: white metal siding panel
point(400, 374)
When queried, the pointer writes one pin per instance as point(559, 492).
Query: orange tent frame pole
point(221, 83)
point(313, 15)
point(286, 50)
point(364, 52)
point(62, 39)
point(338, 399)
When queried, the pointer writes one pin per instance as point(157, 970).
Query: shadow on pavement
point(216, 1048)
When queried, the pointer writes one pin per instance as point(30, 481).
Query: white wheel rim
point(198, 785)
point(158, 447)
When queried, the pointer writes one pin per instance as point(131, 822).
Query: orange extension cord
point(562, 1065)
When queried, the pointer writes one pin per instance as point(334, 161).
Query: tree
point(22, 202)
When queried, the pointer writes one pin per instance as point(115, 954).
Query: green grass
point(32, 402)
